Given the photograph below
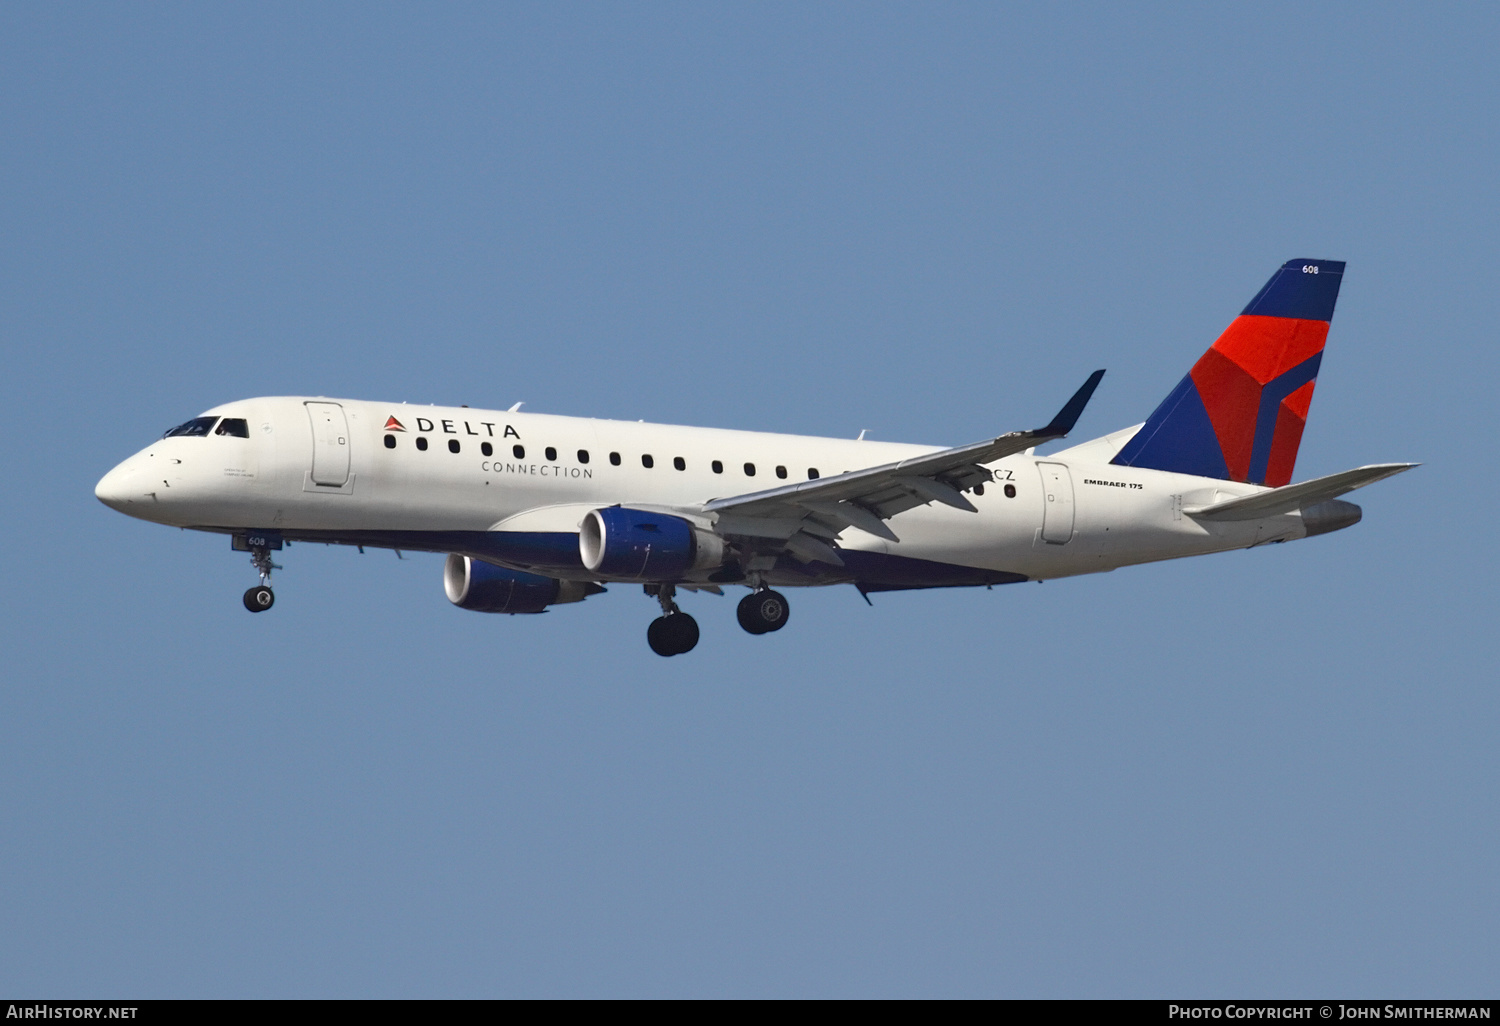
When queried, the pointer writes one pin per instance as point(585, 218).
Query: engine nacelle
point(487, 588)
point(637, 545)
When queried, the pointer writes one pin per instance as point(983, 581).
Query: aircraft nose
point(121, 487)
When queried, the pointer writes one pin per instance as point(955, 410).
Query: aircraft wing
point(808, 514)
point(1287, 498)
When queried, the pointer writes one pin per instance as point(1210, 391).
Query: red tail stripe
point(1231, 397)
point(1291, 418)
point(1268, 347)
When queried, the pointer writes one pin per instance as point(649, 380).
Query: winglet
point(1069, 414)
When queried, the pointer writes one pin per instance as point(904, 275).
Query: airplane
point(535, 511)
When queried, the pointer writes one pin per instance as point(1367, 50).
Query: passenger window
point(614, 458)
point(812, 473)
point(781, 472)
point(487, 448)
point(518, 451)
point(583, 455)
point(234, 427)
point(390, 441)
point(647, 462)
point(551, 453)
point(979, 489)
point(679, 462)
point(195, 428)
point(1010, 491)
point(453, 445)
point(749, 469)
point(422, 443)
point(718, 467)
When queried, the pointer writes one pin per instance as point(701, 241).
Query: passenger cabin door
point(1057, 508)
point(330, 462)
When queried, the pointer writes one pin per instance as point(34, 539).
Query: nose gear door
point(1057, 508)
point(330, 430)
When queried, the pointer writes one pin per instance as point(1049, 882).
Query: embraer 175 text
point(537, 510)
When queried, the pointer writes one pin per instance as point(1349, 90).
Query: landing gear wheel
point(672, 634)
point(259, 598)
point(684, 632)
point(763, 612)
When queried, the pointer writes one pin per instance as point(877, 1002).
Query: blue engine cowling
point(637, 545)
point(487, 588)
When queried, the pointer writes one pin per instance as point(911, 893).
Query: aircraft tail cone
point(1333, 515)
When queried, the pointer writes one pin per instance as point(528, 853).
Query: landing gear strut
point(674, 632)
point(260, 598)
point(762, 612)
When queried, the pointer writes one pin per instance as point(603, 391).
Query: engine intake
point(638, 545)
point(486, 588)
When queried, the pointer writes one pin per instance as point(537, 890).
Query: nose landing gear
point(674, 632)
point(260, 598)
point(762, 612)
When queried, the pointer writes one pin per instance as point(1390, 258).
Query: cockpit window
point(233, 426)
point(195, 428)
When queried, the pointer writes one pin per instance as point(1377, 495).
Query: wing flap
point(852, 514)
point(809, 549)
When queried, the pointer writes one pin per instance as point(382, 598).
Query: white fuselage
point(323, 469)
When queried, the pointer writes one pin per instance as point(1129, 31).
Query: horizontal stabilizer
point(1288, 498)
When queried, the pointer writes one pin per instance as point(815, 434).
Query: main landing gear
point(762, 612)
point(674, 632)
point(260, 598)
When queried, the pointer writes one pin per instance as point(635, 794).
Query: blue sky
point(1269, 773)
